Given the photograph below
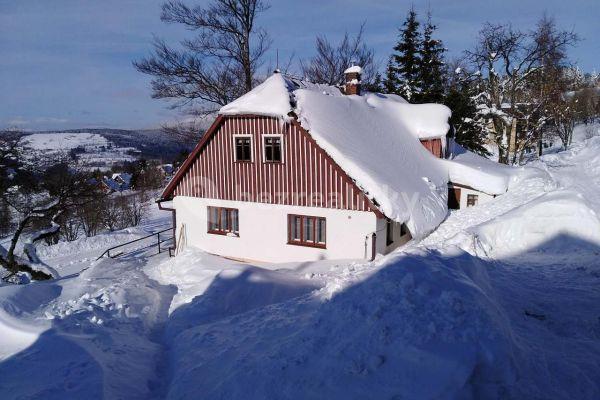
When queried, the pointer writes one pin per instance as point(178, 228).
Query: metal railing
point(158, 242)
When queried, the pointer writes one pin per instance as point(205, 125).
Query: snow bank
point(561, 214)
point(470, 169)
point(422, 327)
point(98, 243)
point(16, 303)
point(270, 98)
point(211, 288)
point(364, 133)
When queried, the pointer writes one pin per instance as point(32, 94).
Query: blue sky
point(67, 63)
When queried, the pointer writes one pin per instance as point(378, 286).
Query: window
point(243, 148)
point(306, 231)
point(272, 148)
point(472, 200)
point(389, 233)
point(223, 221)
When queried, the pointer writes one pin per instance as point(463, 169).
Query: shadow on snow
point(426, 325)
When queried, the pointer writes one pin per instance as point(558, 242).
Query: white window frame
point(243, 135)
point(264, 147)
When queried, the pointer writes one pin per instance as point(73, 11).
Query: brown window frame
point(250, 140)
point(265, 146)
point(229, 215)
point(472, 200)
point(302, 241)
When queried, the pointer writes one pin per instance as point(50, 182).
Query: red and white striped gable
point(307, 176)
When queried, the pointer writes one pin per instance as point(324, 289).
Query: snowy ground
point(502, 301)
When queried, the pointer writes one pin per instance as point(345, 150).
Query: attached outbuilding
point(473, 179)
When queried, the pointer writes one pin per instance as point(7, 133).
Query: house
point(109, 185)
point(118, 182)
point(123, 180)
point(296, 171)
point(166, 169)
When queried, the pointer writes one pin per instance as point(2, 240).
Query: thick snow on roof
point(470, 169)
point(372, 137)
point(270, 98)
point(354, 69)
point(372, 140)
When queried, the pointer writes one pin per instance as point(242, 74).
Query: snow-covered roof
point(354, 69)
point(372, 138)
point(374, 141)
point(125, 177)
point(270, 98)
point(111, 183)
point(469, 169)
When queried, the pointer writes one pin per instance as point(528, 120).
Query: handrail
point(107, 251)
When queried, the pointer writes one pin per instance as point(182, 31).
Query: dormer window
point(272, 146)
point(243, 148)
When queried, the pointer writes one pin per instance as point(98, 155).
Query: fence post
point(158, 237)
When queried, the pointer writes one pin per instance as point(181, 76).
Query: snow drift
point(560, 213)
point(421, 326)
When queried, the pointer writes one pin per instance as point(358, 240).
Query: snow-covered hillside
point(500, 302)
point(93, 150)
point(103, 148)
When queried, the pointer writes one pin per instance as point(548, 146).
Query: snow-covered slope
point(92, 149)
point(103, 148)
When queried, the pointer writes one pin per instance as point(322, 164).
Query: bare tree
point(37, 200)
point(135, 208)
point(70, 227)
point(112, 215)
point(564, 118)
point(328, 65)
point(217, 65)
point(6, 222)
point(508, 61)
point(90, 216)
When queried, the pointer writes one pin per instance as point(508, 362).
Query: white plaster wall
point(382, 247)
point(263, 231)
point(483, 197)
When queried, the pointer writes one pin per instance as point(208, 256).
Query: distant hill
point(149, 143)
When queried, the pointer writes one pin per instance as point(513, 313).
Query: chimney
point(352, 75)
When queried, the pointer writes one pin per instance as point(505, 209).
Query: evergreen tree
point(376, 86)
point(467, 129)
point(431, 67)
point(390, 81)
point(403, 70)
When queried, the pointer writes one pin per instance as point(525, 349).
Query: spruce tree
point(403, 71)
point(466, 128)
point(390, 83)
point(431, 66)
